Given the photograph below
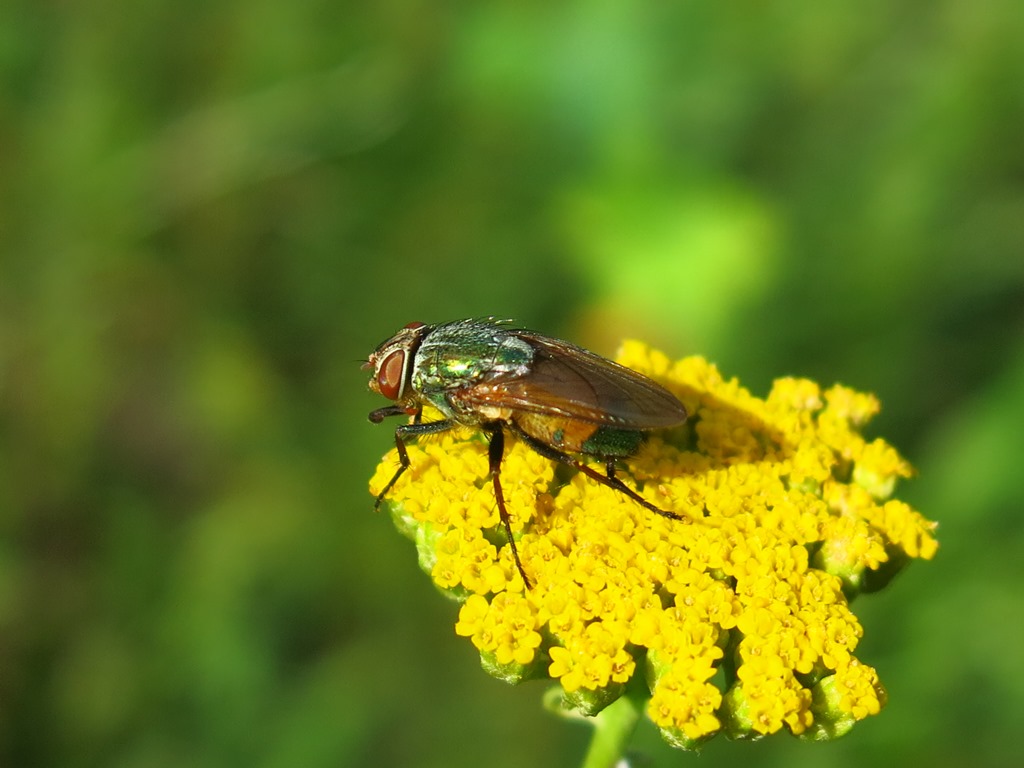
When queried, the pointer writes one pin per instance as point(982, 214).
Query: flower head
point(738, 616)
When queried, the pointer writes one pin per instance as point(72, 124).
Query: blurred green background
point(210, 213)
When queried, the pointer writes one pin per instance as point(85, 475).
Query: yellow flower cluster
point(738, 617)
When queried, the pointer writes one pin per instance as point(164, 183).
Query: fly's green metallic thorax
point(464, 353)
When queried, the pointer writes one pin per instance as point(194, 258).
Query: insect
point(562, 401)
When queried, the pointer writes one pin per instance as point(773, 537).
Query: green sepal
point(873, 581)
point(830, 722)
point(881, 487)
point(406, 524)
point(674, 737)
point(587, 703)
point(832, 558)
point(737, 722)
point(513, 673)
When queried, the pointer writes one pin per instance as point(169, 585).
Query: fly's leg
point(609, 479)
point(612, 481)
point(402, 433)
point(495, 451)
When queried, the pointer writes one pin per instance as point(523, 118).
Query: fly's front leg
point(392, 410)
point(402, 433)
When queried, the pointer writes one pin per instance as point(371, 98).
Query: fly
point(561, 400)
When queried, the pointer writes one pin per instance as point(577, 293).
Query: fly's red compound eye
point(414, 324)
point(389, 375)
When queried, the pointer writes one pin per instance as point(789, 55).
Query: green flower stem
point(613, 729)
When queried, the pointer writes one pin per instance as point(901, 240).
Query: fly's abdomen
point(576, 436)
point(612, 443)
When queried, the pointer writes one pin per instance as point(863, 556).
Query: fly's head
point(392, 364)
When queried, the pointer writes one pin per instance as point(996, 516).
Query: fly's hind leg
point(608, 479)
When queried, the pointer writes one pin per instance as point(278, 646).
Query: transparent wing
point(568, 381)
